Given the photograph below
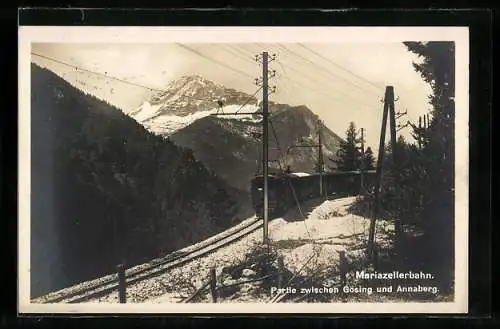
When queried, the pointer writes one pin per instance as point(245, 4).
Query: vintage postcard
point(243, 169)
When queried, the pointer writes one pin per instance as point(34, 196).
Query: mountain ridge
point(187, 95)
point(232, 148)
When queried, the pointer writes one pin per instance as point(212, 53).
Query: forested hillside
point(105, 190)
point(232, 148)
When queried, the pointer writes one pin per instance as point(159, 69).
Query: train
point(286, 189)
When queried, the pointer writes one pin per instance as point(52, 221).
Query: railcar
point(284, 190)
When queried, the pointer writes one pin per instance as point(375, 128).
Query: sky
point(340, 82)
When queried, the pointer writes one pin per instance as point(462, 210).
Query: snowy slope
point(328, 229)
point(309, 246)
point(167, 124)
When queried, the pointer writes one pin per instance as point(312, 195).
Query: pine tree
point(348, 158)
point(437, 69)
point(368, 159)
point(437, 155)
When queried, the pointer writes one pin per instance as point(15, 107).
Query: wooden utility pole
point(362, 164)
point(265, 140)
point(265, 133)
point(213, 284)
point(388, 106)
point(122, 288)
point(395, 162)
point(420, 132)
point(393, 126)
point(320, 160)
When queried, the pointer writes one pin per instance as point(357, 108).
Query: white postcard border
point(63, 34)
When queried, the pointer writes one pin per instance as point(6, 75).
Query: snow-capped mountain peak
point(188, 99)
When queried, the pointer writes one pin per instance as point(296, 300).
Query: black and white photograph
point(243, 169)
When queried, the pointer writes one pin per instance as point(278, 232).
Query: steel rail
point(110, 284)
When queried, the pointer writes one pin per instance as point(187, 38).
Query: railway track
point(110, 284)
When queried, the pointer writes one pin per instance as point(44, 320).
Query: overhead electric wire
point(304, 86)
point(308, 88)
point(313, 79)
point(79, 68)
point(317, 66)
point(244, 51)
point(241, 50)
point(323, 69)
point(94, 72)
point(342, 68)
point(341, 93)
point(249, 99)
point(236, 52)
point(213, 60)
point(322, 83)
point(306, 75)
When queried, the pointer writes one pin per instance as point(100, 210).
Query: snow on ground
point(300, 174)
point(328, 230)
point(201, 243)
point(184, 280)
point(326, 221)
point(306, 245)
point(90, 283)
point(145, 111)
point(314, 242)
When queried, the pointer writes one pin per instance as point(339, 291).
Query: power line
point(249, 99)
point(94, 72)
point(302, 86)
point(338, 91)
point(342, 68)
point(303, 61)
point(78, 68)
point(132, 83)
point(240, 54)
point(306, 75)
point(235, 54)
point(324, 70)
point(316, 81)
point(215, 61)
point(242, 50)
